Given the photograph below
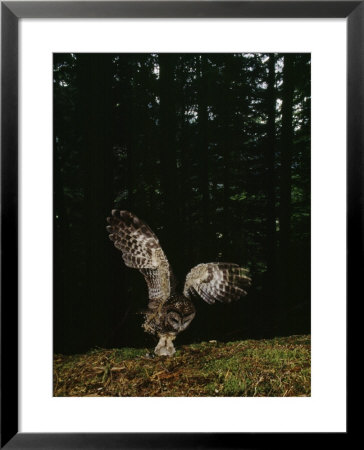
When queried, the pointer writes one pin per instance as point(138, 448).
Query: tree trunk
point(95, 81)
point(168, 149)
point(227, 155)
point(271, 176)
point(285, 185)
point(203, 152)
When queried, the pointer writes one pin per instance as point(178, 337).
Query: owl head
point(178, 315)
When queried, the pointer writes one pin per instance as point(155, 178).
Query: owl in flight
point(170, 312)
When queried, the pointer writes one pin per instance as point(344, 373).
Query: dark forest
point(212, 151)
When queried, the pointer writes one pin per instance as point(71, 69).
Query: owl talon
point(165, 346)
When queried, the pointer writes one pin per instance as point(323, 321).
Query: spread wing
point(141, 250)
point(223, 282)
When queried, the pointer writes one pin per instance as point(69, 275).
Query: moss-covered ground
point(279, 367)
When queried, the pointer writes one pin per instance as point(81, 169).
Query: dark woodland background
point(213, 152)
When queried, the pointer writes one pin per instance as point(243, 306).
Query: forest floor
point(279, 367)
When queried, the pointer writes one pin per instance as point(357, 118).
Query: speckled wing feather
point(223, 282)
point(141, 250)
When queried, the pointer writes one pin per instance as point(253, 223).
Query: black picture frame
point(11, 12)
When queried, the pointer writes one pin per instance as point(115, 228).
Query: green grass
point(278, 367)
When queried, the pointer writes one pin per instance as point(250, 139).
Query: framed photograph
point(181, 209)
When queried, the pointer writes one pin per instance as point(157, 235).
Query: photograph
point(181, 224)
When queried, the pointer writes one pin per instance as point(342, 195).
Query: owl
point(170, 312)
